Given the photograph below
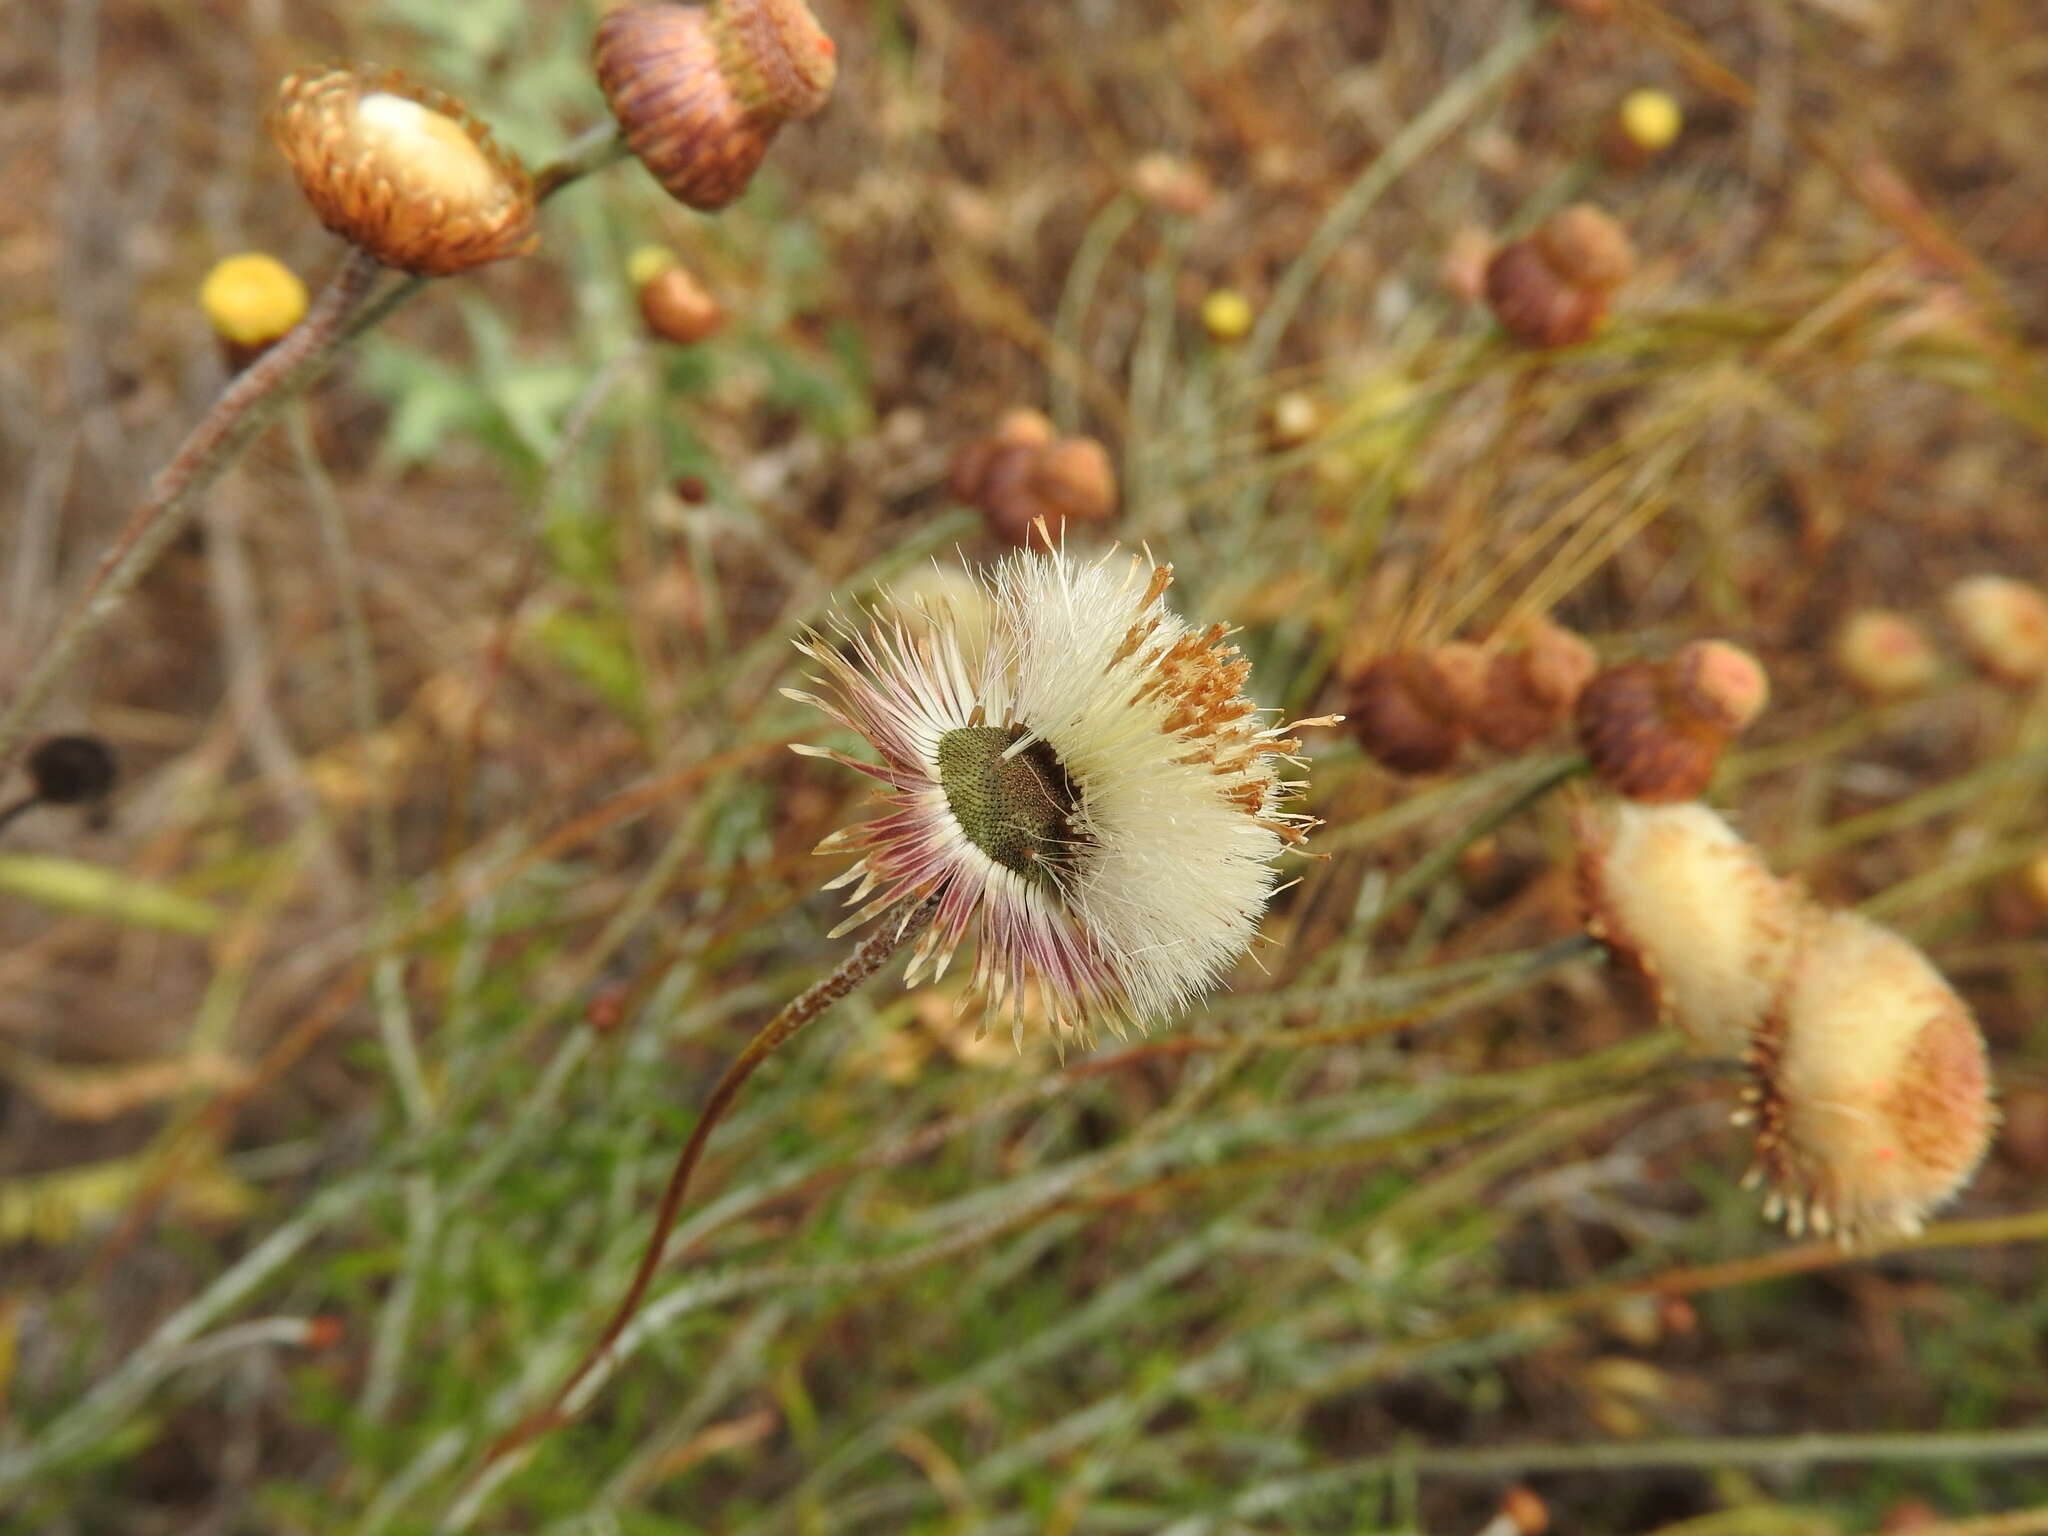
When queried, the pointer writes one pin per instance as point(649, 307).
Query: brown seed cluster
point(403, 171)
point(1415, 711)
point(1023, 475)
point(1552, 288)
point(701, 91)
point(1655, 731)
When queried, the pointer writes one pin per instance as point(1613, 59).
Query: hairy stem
point(338, 317)
point(895, 929)
point(243, 410)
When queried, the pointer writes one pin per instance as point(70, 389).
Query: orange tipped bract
point(402, 171)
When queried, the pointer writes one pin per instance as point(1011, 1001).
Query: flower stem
point(896, 928)
point(242, 411)
point(338, 317)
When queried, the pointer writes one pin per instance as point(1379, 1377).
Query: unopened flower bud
point(1871, 1094)
point(673, 304)
point(403, 172)
point(1552, 288)
point(1227, 316)
point(2003, 626)
point(1655, 731)
point(1532, 688)
point(1681, 899)
point(1075, 479)
point(700, 91)
point(1884, 655)
point(1403, 713)
point(1022, 476)
point(1649, 121)
point(1293, 419)
point(251, 301)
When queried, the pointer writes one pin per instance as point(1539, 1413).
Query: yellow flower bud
point(252, 299)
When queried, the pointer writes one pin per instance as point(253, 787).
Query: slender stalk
point(894, 930)
point(243, 410)
point(338, 317)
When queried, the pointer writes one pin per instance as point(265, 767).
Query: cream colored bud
point(1871, 1094)
point(1677, 893)
point(2003, 625)
point(1884, 655)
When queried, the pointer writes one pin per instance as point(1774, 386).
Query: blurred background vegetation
point(330, 1129)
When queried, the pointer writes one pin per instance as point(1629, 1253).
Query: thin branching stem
point(338, 317)
point(893, 931)
point(244, 409)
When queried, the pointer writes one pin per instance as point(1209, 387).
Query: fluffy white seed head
point(1087, 787)
point(1678, 894)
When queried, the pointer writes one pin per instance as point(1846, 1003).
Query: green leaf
point(110, 893)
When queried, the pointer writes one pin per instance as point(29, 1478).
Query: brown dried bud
point(1884, 655)
point(1021, 475)
point(1403, 713)
point(1871, 1094)
point(699, 92)
point(402, 171)
point(1075, 479)
point(1462, 667)
point(1531, 690)
point(1655, 731)
point(1551, 289)
point(2003, 625)
point(678, 308)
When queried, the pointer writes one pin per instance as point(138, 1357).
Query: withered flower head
point(1021, 478)
point(402, 171)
